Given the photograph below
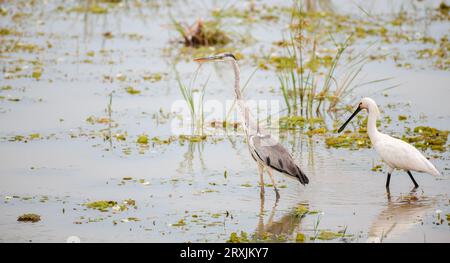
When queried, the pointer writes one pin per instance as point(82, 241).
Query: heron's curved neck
point(372, 123)
point(249, 124)
point(237, 80)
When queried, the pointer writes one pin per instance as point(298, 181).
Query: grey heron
point(265, 150)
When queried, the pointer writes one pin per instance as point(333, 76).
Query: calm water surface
point(73, 164)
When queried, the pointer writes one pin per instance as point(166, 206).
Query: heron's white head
point(217, 58)
point(365, 104)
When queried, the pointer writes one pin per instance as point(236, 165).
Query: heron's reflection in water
point(280, 229)
point(399, 216)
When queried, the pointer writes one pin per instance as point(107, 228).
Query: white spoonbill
point(396, 153)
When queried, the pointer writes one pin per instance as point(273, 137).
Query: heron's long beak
point(349, 119)
point(206, 59)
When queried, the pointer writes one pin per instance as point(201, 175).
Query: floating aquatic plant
point(153, 77)
point(300, 238)
point(33, 218)
point(102, 205)
point(37, 73)
point(132, 91)
point(377, 168)
point(428, 138)
point(142, 139)
point(350, 140)
point(301, 211)
point(329, 235)
point(238, 238)
point(180, 223)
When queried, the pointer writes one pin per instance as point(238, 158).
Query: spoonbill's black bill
point(351, 117)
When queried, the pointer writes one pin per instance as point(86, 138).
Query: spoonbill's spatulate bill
point(396, 153)
point(265, 150)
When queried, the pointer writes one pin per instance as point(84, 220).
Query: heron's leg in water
point(412, 178)
point(261, 179)
point(261, 217)
point(269, 171)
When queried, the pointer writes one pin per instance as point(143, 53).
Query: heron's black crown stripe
point(230, 55)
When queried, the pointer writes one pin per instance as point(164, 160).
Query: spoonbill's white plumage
point(397, 154)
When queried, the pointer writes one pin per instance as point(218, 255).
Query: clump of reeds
point(202, 33)
point(309, 84)
point(194, 99)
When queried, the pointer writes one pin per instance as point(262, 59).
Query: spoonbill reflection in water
point(400, 217)
point(396, 153)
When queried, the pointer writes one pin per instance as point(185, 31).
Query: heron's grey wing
point(276, 156)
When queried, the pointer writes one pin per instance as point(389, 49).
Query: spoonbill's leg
point(261, 180)
point(389, 177)
point(269, 171)
point(388, 180)
point(412, 178)
point(413, 191)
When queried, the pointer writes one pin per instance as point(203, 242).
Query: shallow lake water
point(194, 191)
